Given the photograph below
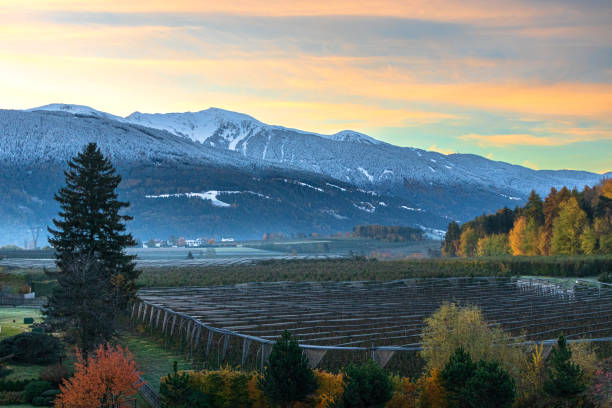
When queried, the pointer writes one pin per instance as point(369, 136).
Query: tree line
point(566, 222)
point(388, 233)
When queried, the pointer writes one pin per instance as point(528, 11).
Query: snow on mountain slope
point(352, 156)
point(46, 135)
point(201, 126)
point(360, 159)
point(75, 110)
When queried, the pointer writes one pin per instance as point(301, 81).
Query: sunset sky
point(528, 82)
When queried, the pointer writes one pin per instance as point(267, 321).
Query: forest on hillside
point(566, 222)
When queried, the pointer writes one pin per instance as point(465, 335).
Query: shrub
point(287, 377)
point(42, 401)
point(256, 395)
point(366, 386)
point(174, 389)
point(432, 392)
point(329, 389)
point(532, 393)
point(35, 389)
point(54, 374)
point(224, 388)
point(32, 348)
point(4, 371)
point(50, 393)
point(584, 356)
point(15, 385)
point(405, 393)
point(11, 397)
point(108, 374)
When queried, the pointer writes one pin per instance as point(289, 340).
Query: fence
point(150, 395)
point(361, 320)
point(9, 299)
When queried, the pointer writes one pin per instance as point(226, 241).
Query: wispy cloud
point(424, 70)
point(513, 140)
point(436, 148)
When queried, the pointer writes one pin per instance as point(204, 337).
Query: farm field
point(241, 254)
point(365, 317)
point(352, 269)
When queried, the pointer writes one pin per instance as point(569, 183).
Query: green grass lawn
point(152, 359)
point(11, 320)
point(17, 406)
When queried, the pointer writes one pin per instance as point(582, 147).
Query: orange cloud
point(436, 148)
point(513, 140)
point(437, 10)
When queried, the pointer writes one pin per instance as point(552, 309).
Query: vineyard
point(364, 318)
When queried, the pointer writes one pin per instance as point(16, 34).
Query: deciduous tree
point(567, 228)
point(105, 379)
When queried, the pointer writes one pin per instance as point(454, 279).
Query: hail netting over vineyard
point(380, 318)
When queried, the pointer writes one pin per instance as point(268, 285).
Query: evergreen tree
point(89, 241)
point(455, 375)
point(534, 209)
point(174, 390)
point(83, 300)
point(565, 379)
point(366, 386)
point(287, 377)
point(489, 387)
point(449, 248)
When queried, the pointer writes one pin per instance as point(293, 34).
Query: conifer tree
point(449, 248)
point(565, 378)
point(534, 209)
point(95, 276)
point(287, 377)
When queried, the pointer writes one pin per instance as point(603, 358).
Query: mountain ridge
point(317, 184)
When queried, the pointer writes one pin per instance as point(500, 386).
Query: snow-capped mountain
point(315, 182)
point(362, 160)
point(177, 186)
point(359, 158)
point(75, 110)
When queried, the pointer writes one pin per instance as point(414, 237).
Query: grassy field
point(151, 357)
point(11, 320)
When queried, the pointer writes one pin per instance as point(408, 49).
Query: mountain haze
point(215, 173)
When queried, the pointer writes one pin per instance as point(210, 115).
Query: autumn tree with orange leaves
point(106, 380)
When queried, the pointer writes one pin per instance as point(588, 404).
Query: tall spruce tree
point(94, 272)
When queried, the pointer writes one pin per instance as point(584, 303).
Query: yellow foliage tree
point(452, 326)
point(584, 355)
point(404, 393)
point(330, 389)
point(468, 242)
point(606, 188)
point(533, 379)
point(432, 393)
point(493, 245)
point(524, 237)
point(567, 228)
